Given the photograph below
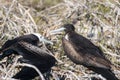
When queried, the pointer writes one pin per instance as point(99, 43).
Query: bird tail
point(109, 75)
point(106, 73)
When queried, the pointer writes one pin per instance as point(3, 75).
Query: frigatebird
point(82, 51)
point(27, 47)
point(33, 38)
point(33, 55)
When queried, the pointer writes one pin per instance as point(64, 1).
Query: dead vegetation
point(98, 20)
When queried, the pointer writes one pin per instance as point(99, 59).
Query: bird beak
point(46, 41)
point(42, 39)
point(57, 31)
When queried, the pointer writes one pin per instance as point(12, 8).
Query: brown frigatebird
point(82, 51)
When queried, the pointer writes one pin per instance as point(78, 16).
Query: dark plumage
point(27, 47)
point(82, 51)
point(31, 54)
point(34, 39)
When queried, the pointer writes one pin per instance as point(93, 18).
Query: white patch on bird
point(67, 37)
point(39, 36)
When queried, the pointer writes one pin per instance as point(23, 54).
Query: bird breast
point(71, 52)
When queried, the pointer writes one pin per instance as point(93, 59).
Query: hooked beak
point(46, 41)
point(57, 31)
point(42, 39)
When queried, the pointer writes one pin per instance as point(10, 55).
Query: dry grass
point(98, 20)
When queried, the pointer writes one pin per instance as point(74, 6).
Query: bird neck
point(68, 34)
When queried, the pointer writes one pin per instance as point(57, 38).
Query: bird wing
point(83, 43)
point(31, 52)
point(84, 52)
point(27, 38)
point(6, 45)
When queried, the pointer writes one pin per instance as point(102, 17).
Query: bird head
point(42, 39)
point(66, 27)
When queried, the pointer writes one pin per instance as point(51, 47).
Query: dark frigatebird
point(31, 54)
point(82, 51)
point(33, 38)
point(40, 58)
point(27, 47)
